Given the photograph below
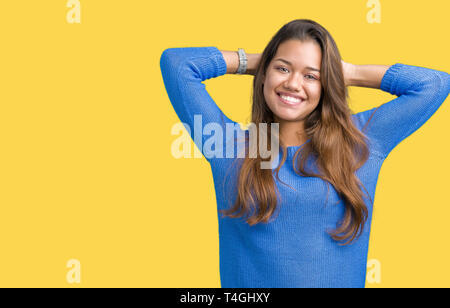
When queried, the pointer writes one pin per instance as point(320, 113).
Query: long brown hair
point(338, 147)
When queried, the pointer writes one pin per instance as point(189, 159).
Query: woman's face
point(300, 78)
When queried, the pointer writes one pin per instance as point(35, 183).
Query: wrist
point(242, 68)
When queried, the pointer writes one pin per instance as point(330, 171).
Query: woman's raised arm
point(183, 71)
point(421, 91)
point(368, 76)
point(232, 60)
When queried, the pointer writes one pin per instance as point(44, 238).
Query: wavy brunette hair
point(338, 147)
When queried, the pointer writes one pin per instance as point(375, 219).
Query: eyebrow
point(287, 62)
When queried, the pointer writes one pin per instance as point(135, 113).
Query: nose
point(294, 83)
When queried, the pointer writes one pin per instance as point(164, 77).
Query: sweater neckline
point(290, 153)
point(291, 150)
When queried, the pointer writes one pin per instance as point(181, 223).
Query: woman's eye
point(281, 69)
point(311, 77)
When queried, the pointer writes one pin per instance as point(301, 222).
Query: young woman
point(287, 226)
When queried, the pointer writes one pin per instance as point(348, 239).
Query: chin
point(288, 116)
point(284, 118)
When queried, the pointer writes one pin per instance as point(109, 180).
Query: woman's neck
point(292, 133)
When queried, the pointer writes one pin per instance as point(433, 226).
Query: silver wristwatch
point(242, 62)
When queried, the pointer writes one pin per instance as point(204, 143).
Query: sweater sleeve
point(183, 71)
point(420, 92)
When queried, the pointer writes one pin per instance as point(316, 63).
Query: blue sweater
point(294, 249)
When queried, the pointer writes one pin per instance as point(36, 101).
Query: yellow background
point(86, 170)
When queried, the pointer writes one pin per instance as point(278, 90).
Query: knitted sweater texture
point(294, 248)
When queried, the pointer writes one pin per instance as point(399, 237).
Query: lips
point(291, 95)
point(289, 102)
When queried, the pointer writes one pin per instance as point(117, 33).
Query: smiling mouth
point(290, 102)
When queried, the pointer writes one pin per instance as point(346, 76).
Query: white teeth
point(291, 99)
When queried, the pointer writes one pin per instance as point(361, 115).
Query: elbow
point(446, 82)
point(443, 83)
point(172, 60)
point(438, 83)
point(166, 58)
point(166, 55)
point(168, 63)
point(171, 57)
